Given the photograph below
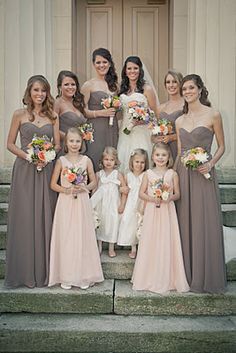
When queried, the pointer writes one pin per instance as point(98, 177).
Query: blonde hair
point(165, 147)
point(74, 130)
point(112, 152)
point(138, 152)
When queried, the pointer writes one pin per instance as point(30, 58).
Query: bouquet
point(194, 157)
point(87, 132)
point(139, 114)
point(163, 127)
point(160, 190)
point(40, 149)
point(111, 102)
point(75, 176)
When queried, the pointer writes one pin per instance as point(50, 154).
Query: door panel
point(126, 28)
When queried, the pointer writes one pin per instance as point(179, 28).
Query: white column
point(26, 45)
point(211, 54)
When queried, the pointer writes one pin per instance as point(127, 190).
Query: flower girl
point(159, 265)
point(138, 163)
point(107, 200)
point(74, 256)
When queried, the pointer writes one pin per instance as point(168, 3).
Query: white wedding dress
point(139, 137)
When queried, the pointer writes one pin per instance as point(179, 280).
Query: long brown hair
point(78, 99)
point(47, 105)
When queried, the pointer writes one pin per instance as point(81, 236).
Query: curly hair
point(111, 77)
point(78, 98)
point(47, 105)
point(124, 87)
point(199, 83)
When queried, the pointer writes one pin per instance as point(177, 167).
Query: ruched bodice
point(28, 129)
point(70, 119)
point(200, 136)
point(104, 134)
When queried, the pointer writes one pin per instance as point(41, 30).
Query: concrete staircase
point(111, 317)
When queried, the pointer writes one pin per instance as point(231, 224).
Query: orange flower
point(71, 177)
point(47, 145)
point(158, 192)
point(87, 136)
point(132, 104)
point(116, 103)
point(41, 156)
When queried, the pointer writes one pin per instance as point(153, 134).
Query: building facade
point(46, 36)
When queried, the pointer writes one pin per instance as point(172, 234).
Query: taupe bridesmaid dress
point(172, 118)
point(104, 134)
point(30, 216)
point(200, 220)
point(67, 120)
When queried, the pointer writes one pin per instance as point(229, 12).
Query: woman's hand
point(110, 112)
point(205, 168)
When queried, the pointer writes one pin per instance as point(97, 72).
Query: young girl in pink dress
point(159, 265)
point(74, 257)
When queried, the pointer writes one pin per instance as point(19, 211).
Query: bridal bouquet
point(163, 127)
point(87, 132)
point(139, 114)
point(194, 157)
point(111, 102)
point(40, 151)
point(75, 176)
point(160, 190)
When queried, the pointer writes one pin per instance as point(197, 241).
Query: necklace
point(37, 117)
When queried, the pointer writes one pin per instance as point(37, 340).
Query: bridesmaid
point(94, 90)
point(171, 109)
point(198, 208)
point(69, 104)
point(32, 202)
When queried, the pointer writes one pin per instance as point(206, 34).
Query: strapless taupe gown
point(30, 216)
point(67, 120)
point(172, 117)
point(104, 134)
point(200, 220)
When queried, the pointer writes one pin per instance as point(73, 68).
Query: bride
point(134, 88)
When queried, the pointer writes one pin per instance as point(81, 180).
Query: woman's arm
point(176, 189)
point(177, 126)
point(151, 98)
point(86, 91)
point(219, 134)
point(12, 135)
point(56, 135)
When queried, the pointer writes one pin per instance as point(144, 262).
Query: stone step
point(4, 193)
point(100, 299)
point(112, 333)
point(3, 235)
point(229, 215)
point(5, 175)
point(96, 300)
point(121, 267)
point(226, 175)
point(3, 213)
point(228, 193)
point(130, 302)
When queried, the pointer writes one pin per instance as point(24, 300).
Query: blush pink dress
point(159, 264)
point(74, 256)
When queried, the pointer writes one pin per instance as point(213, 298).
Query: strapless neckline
point(197, 127)
point(38, 127)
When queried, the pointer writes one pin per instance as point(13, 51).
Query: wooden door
point(125, 27)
